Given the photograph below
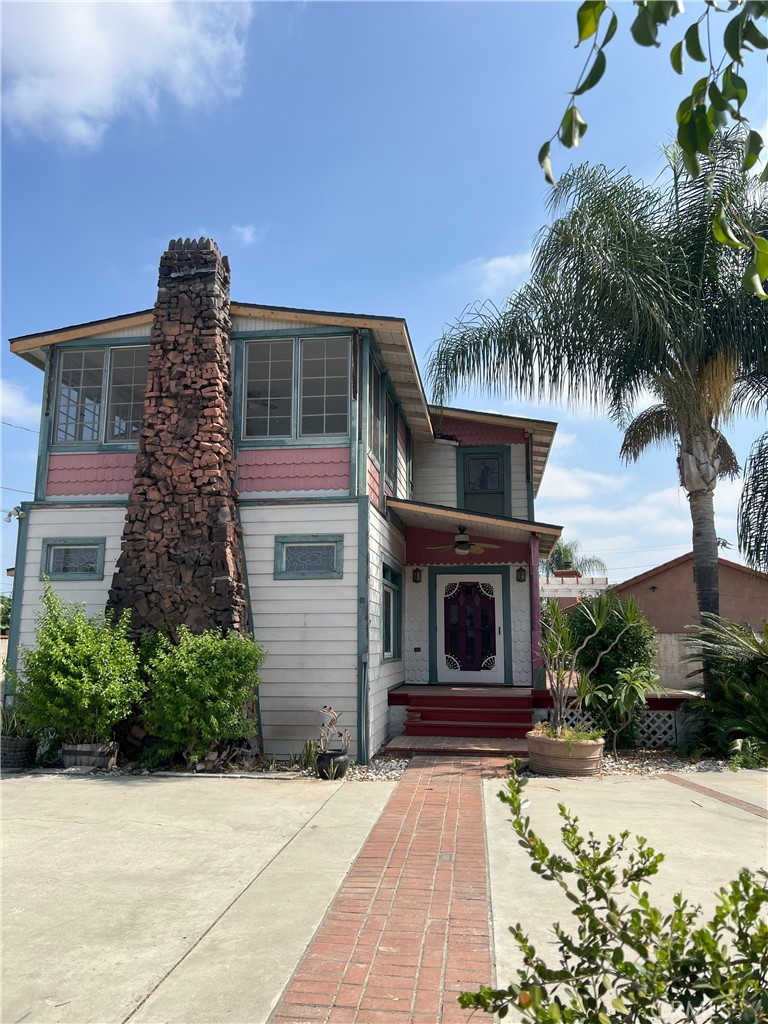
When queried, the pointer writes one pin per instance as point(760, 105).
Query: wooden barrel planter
point(17, 753)
point(550, 756)
point(91, 755)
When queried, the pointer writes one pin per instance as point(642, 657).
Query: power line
point(16, 490)
point(16, 426)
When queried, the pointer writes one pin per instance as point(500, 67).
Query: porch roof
point(441, 517)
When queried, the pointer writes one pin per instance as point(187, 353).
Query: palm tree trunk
point(705, 551)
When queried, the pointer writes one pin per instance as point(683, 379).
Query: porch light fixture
point(520, 574)
point(417, 575)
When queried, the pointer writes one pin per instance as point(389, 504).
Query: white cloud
point(18, 407)
point(495, 278)
point(568, 483)
point(247, 234)
point(71, 69)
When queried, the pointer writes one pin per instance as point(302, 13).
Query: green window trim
point(489, 455)
point(391, 612)
point(54, 548)
point(333, 543)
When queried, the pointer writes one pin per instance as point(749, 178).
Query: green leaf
point(595, 74)
point(644, 29)
point(761, 260)
point(764, 173)
point(546, 164)
point(676, 57)
point(705, 129)
point(613, 24)
point(752, 151)
point(692, 44)
point(752, 282)
point(572, 127)
point(588, 18)
point(752, 34)
point(734, 86)
point(716, 98)
point(732, 39)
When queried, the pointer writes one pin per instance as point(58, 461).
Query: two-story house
point(384, 541)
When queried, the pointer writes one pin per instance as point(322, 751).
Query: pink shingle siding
point(477, 435)
point(90, 473)
point(293, 469)
point(374, 483)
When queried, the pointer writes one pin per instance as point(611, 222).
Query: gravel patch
point(641, 761)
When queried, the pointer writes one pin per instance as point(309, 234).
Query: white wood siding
point(518, 482)
point(258, 323)
point(88, 522)
point(434, 473)
point(384, 540)
point(308, 627)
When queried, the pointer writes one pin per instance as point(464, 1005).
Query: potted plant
point(17, 744)
point(79, 680)
point(553, 747)
point(332, 762)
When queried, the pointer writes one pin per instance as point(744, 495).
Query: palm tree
point(630, 294)
point(753, 507)
point(567, 555)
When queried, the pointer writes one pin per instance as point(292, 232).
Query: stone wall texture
point(181, 560)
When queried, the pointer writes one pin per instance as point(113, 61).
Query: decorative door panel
point(470, 640)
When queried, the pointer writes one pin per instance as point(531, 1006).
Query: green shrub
point(635, 646)
point(617, 702)
point(734, 694)
point(629, 962)
point(199, 689)
point(82, 676)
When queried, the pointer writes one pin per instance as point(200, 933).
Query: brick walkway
point(410, 927)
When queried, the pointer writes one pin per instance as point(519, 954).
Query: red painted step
point(452, 714)
point(448, 700)
point(478, 729)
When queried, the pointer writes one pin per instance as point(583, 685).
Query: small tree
point(563, 649)
point(617, 702)
point(200, 689)
point(82, 676)
point(635, 646)
point(629, 962)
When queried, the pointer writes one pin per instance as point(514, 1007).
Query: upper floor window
point(483, 477)
point(374, 411)
point(85, 375)
point(296, 388)
point(391, 440)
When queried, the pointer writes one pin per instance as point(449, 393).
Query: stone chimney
point(181, 561)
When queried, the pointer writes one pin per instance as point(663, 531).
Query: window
point(374, 411)
point(391, 614)
point(73, 559)
point(391, 441)
point(81, 385)
point(276, 370)
point(312, 556)
point(483, 482)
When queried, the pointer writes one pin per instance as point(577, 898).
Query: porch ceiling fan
point(462, 545)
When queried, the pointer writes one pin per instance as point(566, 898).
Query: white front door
point(470, 633)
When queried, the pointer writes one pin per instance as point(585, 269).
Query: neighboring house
point(667, 596)
point(568, 586)
point(385, 541)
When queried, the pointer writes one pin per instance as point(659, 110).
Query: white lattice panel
point(654, 728)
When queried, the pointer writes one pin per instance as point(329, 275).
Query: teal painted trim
point(310, 332)
point(354, 409)
point(506, 610)
point(246, 443)
point(365, 403)
point(81, 542)
point(392, 578)
point(17, 595)
point(506, 460)
point(409, 462)
point(529, 476)
point(539, 679)
point(44, 439)
point(362, 629)
point(330, 499)
point(237, 358)
point(87, 501)
point(284, 540)
point(91, 447)
point(251, 630)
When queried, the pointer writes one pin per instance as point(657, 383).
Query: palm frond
point(729, 465)
point(653, 426)
point(752, 521)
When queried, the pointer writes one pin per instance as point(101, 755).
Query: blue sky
point(369, 157)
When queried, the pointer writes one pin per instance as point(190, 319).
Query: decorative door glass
point(470, 627)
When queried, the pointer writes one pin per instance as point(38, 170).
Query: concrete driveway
point(192, 900)
point(125, 895)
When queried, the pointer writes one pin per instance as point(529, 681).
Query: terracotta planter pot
point(332, 764)
point(17, 753)
point(91, 755)
point(549, 756)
